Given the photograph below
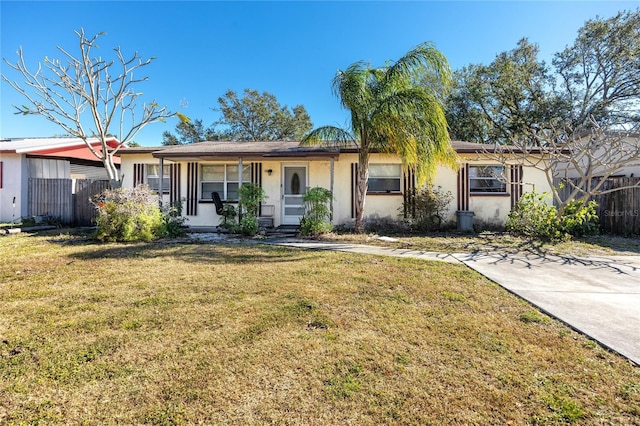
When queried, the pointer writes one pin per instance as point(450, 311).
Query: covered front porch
point(203, 176)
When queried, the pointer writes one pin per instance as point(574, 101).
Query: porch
point(214, 173)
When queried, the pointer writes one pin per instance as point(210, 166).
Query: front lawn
point(176, 332)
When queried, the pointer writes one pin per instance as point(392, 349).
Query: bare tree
point(576, 163)
point(89, 97)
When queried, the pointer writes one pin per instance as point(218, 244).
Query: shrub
point(425, 208)
point(317, 216)
point(129, 215)
point(173, 219)
point(534, 217)
point(244, 219)
point(250, 196)
point(229, 222)
point(580, 219)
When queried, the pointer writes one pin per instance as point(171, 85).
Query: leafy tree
point(188, 132)
point(392, 112)
point(511, 97)
point(317, 214)
point(596, 79)
point(259, 117)
point(253, 117)
point(600, 72)
point(581, 121)
point(89, 97)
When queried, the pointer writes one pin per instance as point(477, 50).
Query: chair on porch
point(218, 202)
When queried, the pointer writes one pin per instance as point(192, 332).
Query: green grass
point(175, 332)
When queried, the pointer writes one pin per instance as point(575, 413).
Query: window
point(384, 178)
point(487, 180)
point(223, 179)
point(153, 177)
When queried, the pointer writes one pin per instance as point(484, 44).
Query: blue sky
point(291, 49)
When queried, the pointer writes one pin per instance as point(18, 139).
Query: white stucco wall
point(14, 184)
point(621, 148)
point(376, 205)
point(493, 210)
point(488, 209)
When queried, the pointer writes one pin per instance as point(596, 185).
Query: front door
point(294, 186)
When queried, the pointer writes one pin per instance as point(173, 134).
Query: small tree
point(89, 97)
point(576, 164)
point(250, 196)
point(317, 216)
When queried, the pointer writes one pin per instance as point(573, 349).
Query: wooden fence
point(619, 211)
point(84, 211)
point(55, 198)
point(52, 198)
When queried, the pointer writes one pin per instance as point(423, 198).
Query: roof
point(267, 149)
point(61, 148)
point(37, 145)
point(463, 147)
point(234, 149)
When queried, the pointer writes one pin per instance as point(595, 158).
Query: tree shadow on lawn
point(529, 252)
point(506, 243)
point(184, 249)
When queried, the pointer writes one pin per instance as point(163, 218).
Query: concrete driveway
point(598, 296)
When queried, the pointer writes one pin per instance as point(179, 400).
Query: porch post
point(331, 181)
point(239, 186)
point(161, 173)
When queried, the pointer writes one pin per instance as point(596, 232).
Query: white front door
point(294, 186)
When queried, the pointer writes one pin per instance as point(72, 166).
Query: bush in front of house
point(426, 208)
point(173, 219)
point(579, 219)
point(317, 216)
point(534, 217)
point(126, 214)
point(229, 222)
point(244, 219)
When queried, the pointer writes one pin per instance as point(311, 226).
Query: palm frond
point(350, 86)
point(422, 59)
point(329, 136)
point(412, 124)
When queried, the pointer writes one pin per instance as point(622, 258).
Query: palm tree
point(394, 109)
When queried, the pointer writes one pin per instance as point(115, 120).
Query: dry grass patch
point(183, 333)
point(498, 242)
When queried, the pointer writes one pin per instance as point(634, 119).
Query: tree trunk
point(112, 171)
point(361, 189)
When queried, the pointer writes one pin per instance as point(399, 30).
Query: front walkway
point(598, 296)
